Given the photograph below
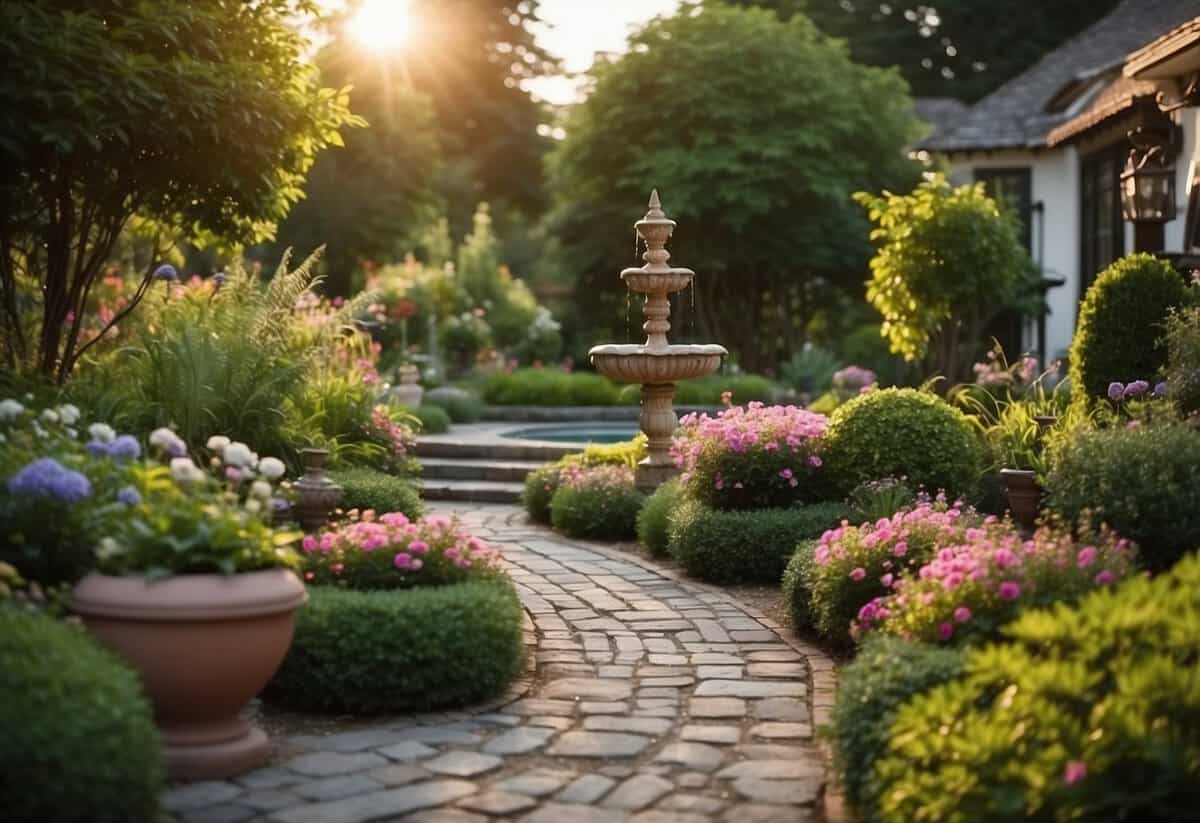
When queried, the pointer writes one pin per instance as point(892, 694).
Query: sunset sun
point(381, 25)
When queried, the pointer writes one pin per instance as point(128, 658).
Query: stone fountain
point(656, 364)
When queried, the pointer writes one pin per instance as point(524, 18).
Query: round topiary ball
point(79, 742)
point(1119, 336)
point(367, 488)
point(902, 433)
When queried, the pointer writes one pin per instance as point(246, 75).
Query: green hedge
point(78, 743)
point(402, 651)
point(745, 546)
point(902, 433)
point(707, 391)
point(366, 488)
point(886, 674)
point(434, 419)
point(1089, 712)
point(1122, 321)
point(463, 406)
point(654, 520)
point(1143, 482)
point(797, 596)
point(549, 387)
point(598, 503)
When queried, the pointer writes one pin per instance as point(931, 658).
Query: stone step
point(494, 450)
point(504, 471)
point(472, 491)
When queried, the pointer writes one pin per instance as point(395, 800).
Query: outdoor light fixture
point(1148, 181)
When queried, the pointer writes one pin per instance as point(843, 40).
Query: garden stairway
point(461, 468)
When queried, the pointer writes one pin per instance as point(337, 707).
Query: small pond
point(577, 433)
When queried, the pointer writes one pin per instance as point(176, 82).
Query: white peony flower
point(217, 442)
point(10, 409)
point(49, 416)
point(71, 432)
point(162, 437)
point(271, 468)
point(102, 432)
point(260, 488)
point(253, 506)
point(185, 471)
point(38, 430)
point(108, 549)
point(237, 454)
point(68, 414)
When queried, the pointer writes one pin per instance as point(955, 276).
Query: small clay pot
point(204, 645)
point(1024, 495)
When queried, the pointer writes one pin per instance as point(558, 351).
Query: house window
point(1102, 230)
point(1013, 188)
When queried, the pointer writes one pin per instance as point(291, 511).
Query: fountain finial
point(656, 229)
point(655, 205)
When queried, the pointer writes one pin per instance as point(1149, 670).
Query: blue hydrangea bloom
point(166, 272)
point(1116, 391)
point(1136, 389)
point(97, 449)
point(1161, 389)
point(125, 447)
point(46, 477)
point(129, 496)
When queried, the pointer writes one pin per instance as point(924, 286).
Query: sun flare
point(381, 25)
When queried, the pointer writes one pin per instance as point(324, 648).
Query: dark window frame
point(1024, 206)
point(1100, 176)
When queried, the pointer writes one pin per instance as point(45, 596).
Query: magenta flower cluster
point(610, 477)
point(854, 379)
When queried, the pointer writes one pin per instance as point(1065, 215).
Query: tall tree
point(756, 132)
point(947, 48)
point(200, 114)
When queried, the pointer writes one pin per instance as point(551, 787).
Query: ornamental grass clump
point(598, 502)
point(855, 565)
point(968, 590)
point(390, 551)
point(751, 458)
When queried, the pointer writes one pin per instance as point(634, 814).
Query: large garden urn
point(204, 645)
point(409, 391)
point(318, 495)
point(1024, 495)
point(657, 364)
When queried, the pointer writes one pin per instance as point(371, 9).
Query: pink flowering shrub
point(855, 565)
point(599, 502)
point(392, 552)
point(968, 590)
point(751, 458)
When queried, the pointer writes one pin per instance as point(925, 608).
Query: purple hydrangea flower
point(166, 272)
point(97, 449)
point(1161, 389)
point(129, 496)
point(125, 447)
point(46, 477)
point(1116, 391)
point(219, 279)
point(1136, 389)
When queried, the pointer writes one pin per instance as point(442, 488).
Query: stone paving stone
point(752, 636)
point(668, 659)
point(557, 723)
point(588, 689)
point(697, 733)
point(719, 672)
point(771, 770)
point(780, 708)
point(272, 777)
point(441, 735)
point(598, 744)
point(498, 719)
point(692, 780)
point(712, 631)
point(586, 789)
point(398, 775)
point(694, 756)
point(781, 731)
point(199, 795)
point(407, 750)
point(784, 655)
point(390, 802)
point(519, 741)
point(659, 816)
point(445, 816)
point(695, 804)
point(334, 788)
point(716, 659)
point(623, 672)
point(603, 707)
point(536, 783)
point(359, 740)
point(463, 764)
point(758, 813)
point(223, 813)
point(638, 725)
point(638, 792)
point(558, 813)
point(537, 706)
point(749, 689)
point(499, 803)
point(787, 670)
point(717, 707)
point(268, 800)
point(796, 792)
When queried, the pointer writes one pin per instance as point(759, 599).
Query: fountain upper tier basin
point(638, 363)
point(666, 281)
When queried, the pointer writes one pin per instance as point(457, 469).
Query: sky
point(577, 29)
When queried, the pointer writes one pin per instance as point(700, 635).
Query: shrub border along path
point(655, 699)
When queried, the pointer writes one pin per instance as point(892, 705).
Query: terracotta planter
point(1024, 495)
point(204, 645)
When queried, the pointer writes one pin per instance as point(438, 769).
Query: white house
point(1054, 142)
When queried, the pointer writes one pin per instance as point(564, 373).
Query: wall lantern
point(1148, 181)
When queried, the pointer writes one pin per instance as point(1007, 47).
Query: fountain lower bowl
point(635, 363)
point(666, 281)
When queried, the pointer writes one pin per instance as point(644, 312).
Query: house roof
point(1119, 96)
point(1070, 81)
point(1172, 54)
point(941, 113)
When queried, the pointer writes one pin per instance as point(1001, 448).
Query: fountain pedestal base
point(659, 422)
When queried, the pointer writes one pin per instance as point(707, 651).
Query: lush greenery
point(540, 486)
point(79, 742)
point(598, 502)
point(902, 433)
point(1122, 321)
point(433, 419)
point(367, 489)
point(744, 546)
point(199, 115)
point(949, 260)
point(1085, 712)
point(542, 483)
point(549, 387)
point(654, 520)
point(462, 406)
point(753, 93)
point(1142, 481)
point(386, 652)
point(1183, 359)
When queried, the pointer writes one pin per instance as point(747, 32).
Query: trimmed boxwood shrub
point(434, 419)
point(540, 486)
point(1087, 712)
point(797, 596)
point(366, 488)
point(1144, 482)
point(549, 387)
point(542, 483)
point(902, 433)
point(886, 673)
point(401, 651)
point(653, 520)
point(1120, 333)
point(596, 502)
point(745, 546)
point(79, 742)
point(462, 406)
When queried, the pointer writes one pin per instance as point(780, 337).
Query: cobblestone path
point(654, 700)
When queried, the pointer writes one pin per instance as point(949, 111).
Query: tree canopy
point(756, 132)
point(199, 113)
